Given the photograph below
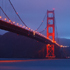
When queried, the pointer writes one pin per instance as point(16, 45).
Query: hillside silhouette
point(16, 46)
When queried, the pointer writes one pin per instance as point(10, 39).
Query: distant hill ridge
point(13, 45)
point(17, 46)
point(62, 41)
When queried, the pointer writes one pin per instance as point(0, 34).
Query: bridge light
point(61, 45)
point(9, 20)
point(5, 19)
point(65, 46)
point(13, 22)
point(54, 41)
point(20, 25)
point(0, 17)
point(42, 21)
point(34, 33)
point(29, 28)
point(23, 26)
point(26, 27)
point(17, 23)
point(53, 8)
point(48, 44)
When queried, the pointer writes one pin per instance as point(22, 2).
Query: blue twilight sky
point(32, 13)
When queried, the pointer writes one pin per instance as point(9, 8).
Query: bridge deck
point(19, 30)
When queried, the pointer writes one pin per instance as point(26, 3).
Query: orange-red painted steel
point(50, 48)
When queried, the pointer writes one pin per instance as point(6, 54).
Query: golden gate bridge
point(7, 24)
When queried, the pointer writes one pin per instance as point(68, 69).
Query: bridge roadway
point(22, 31)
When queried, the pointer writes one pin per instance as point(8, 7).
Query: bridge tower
point(50, 34)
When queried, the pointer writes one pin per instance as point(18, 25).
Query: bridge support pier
point(50, 51)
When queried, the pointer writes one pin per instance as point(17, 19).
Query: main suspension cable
point(17, 13)
point(41, 22)
point(5, 14)
point(43, 30)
